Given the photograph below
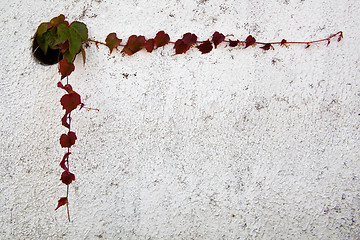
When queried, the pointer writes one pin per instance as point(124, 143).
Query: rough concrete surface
point(235, 144)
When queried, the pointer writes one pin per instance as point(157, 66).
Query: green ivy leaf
point(63, 33)
point(68, 56)
point(78, 34)
point(46, 40)
point(57, 20)
point(43, 28)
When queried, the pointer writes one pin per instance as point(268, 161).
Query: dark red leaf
point(70, 101)
point(307, 46)
point(149, 45)
point(67, 87)
point(67, 177)
point(66, 68)
point(184, 44)
point(112, 41)
point(63, 47)
point(217, 38)
point(161, 39)
point(267, 46)
point(62, 163)
point(283, 42)
point(181, 47)
point(205, 47)
point(189, 39)
point(67, 140)
point(234, 43)
point(62, 201)
point(134, 44)
point(250, 40)
point(64, 120)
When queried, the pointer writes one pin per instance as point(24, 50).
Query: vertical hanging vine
point(58, 41)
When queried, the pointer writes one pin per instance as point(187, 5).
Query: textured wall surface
point(235, 144)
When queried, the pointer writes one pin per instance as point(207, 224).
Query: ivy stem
point(67, 162)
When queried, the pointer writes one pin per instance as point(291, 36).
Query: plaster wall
point(234, 144)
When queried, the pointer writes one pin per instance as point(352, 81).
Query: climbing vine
point(58, 41)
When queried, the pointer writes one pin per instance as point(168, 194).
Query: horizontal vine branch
point(113, 42)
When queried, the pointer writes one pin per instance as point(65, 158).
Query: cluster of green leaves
point(68, 38)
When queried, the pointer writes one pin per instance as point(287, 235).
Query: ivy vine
point(58, 41)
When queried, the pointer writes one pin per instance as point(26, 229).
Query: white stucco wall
point(235, 144)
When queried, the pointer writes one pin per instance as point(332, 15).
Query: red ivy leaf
point(112, 41)
point(234, 43)
point(62, 163)
point(161, 39)
point(267, 46)
point(63, 47)
point(189, 38)
point(250, 40)
point(66, 68)
point(67, 140)
point(180, 47)
point(67, 177)
point(217, 38)
point(205, 47)
point(62, 201)
point(64, 120)
point(282, 43)
point(134, 44)
point(70, 101)
point(67, 87)
point(149, 45)
point(184, 44)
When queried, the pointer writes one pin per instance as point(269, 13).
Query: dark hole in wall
point(52, 56)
